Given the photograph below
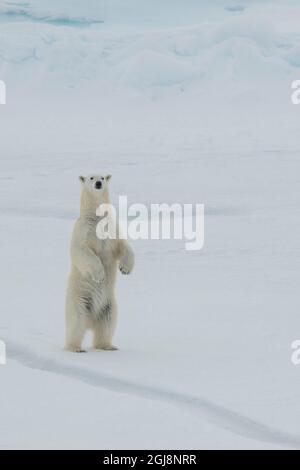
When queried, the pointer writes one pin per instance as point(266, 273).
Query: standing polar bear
point(90, 300)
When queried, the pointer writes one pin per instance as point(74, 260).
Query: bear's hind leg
point(104, 327)
point(75, 330)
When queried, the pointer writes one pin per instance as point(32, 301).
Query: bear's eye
point(91, 178)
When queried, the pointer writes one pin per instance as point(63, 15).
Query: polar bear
point(90, 299)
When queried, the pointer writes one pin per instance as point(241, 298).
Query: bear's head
point(95, 185)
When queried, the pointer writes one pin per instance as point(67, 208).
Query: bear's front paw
point(97, 275)
point(126, 265)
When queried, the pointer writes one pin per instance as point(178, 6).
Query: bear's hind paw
point(107, 348)
point(111, 348)
point(75, 350)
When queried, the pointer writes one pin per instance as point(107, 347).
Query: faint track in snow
point(225, 418)
point(72, 214)
point(39, 212)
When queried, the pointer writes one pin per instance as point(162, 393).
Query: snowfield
point(185, 102)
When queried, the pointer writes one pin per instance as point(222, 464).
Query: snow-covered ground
point(181, 101)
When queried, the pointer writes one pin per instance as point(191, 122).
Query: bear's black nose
point(98, 185)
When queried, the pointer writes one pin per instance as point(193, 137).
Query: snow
point(180, 104)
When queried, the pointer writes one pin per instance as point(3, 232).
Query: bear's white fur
point(90, 299)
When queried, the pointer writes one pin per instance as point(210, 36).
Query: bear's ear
point(81, 179)
point(107, 177)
